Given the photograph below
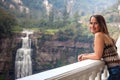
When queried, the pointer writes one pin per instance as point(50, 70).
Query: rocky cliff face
point(51, 54)
point(17, 5)
point(7, 53)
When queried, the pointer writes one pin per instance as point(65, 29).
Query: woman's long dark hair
point(102, 23)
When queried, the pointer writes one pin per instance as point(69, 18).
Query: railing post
point(92, 77)
point(86, 77)
point(105, 73)
point(98, 76)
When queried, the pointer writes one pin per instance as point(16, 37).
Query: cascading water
point(23, 63)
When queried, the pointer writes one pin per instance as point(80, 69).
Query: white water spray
point(23, 63)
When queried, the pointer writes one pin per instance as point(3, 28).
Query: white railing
point(118, 44)
point(84, 70)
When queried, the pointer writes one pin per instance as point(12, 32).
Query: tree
point(7, 21)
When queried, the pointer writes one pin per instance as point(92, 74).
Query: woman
point(104, 47)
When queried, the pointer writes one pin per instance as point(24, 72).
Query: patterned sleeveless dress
point(112, 60)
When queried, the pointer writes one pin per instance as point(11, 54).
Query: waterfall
point(23, 63)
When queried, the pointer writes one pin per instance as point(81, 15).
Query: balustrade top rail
point(79, 70)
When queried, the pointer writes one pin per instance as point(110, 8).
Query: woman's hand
point(81, 57)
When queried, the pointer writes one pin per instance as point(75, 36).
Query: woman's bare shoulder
point(99, 34)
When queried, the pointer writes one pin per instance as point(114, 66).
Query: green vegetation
point(59, 21)
point(51, 31)
point(2, 77)
point(7, 21)
point(64, 26)
point(16, 29)
point(114, 31)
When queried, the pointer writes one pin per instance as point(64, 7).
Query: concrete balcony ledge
point(84, 70)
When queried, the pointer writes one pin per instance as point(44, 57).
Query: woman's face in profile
point(93, 25)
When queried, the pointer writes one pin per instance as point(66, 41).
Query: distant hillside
point(38, 8)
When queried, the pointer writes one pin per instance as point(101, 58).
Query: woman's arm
point(98, 48)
